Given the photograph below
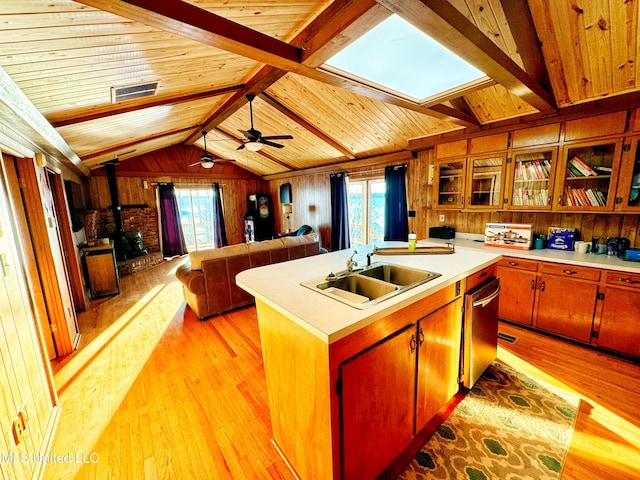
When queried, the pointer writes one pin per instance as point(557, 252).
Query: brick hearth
point(139, 264)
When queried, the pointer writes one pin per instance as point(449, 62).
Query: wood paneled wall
point(311, 205)
point(312, 200)
point(137, 179)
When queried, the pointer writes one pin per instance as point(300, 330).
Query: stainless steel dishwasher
point(480, 330)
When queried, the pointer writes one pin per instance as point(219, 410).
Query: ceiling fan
point(206, 159)
point(253, 138)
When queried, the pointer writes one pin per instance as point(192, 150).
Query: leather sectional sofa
point(208, 278)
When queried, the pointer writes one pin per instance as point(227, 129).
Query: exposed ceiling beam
point(448, 26)
point(307, 126)
point(337, 26)
point(527, 42)
point(181, 18)
point(67, 117)
point(29, 123)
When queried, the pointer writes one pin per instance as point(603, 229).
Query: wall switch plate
point(442, 217)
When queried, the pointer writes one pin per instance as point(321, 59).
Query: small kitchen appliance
point(617, 246)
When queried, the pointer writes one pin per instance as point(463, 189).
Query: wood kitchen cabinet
point(438, 361)
point(473, 182)
point(619, 326)
point(382, 405)
point(378, 388)
point(450, 182)
point(518, 280)
point(592, 306)
point(530, 179)
point(567, 300)
point(628, 192)
point(587, 176)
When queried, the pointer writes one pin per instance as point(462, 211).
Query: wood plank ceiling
point(62, 58)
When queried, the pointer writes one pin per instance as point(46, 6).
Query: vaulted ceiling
point(61, 59)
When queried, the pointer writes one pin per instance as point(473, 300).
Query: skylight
point(398, 57)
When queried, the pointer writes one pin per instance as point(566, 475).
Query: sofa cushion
point(212, 253)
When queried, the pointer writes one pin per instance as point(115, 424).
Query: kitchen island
point(350, 389)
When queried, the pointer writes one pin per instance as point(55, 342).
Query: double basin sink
point(371, 285)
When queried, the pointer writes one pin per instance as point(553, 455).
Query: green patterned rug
point(509, 426)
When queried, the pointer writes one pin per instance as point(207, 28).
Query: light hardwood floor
point(158, 394)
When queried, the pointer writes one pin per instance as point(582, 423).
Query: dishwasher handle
point(482, 302)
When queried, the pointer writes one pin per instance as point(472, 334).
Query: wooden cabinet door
point(439, 339)
point(518, 290)
point(620, 321)
point(485, 182)
point(566, 307)
point(450, 183)
point(530, 179)
point(628, 194)
point(587, 176)
point(378, 405)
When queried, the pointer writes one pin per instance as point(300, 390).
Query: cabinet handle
point(542, 287)
point(514, 264)
point(421, 336)
point(569, 272)
point(413, 343)
point(533, 284)
point(628, 280)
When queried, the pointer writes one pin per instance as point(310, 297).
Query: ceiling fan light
point(207, 164)
point(253, 146)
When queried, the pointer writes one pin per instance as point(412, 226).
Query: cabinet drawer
point(519, 263)
point(480, 277)
point(573, 271)
point(624, 279)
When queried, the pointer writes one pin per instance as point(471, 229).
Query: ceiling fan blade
point(240, 147)
point(278, 137)
point(271, 144)
point(194, 164)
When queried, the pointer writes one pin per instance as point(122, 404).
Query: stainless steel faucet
point(351, 263)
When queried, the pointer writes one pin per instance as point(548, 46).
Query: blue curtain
point(396, 220)
point(339, 212)
point(219, 231)
point(172, 237)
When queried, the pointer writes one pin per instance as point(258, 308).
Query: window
point(196, 217)
point(366, 211)
point(399, 58)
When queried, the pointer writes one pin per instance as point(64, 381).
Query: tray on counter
point(435, 250)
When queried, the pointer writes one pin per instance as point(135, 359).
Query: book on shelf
point(582, 167)
point(585, 197)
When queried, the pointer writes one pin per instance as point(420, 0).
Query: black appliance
point(259, 223)
point(442, 232)
point(617, 246)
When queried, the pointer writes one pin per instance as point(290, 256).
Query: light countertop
point(610, 262)
point(278, 286)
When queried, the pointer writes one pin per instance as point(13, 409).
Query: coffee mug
point(582, 247)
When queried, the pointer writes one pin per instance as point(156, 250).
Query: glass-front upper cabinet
point(484, 182)
point(449, 180)
point(588, 176)
point(530, 175)
point(628, 196)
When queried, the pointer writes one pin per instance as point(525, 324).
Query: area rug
point(509, 426)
